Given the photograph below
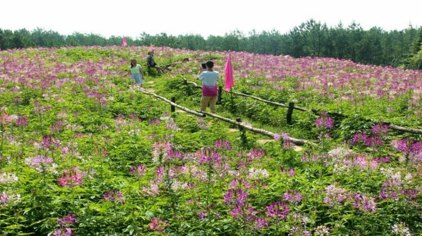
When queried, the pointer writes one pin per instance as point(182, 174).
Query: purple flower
point(114, 196)
point(66, 220)
point(416, 147)
point(293, 198)
point(256, 153)
point(159, 171)
point(228, 196)
point(369, 141)
point(202, 215)
point(287, 196)
point(236, 212)
point(241, 197)
point(364, 203)
point(380, 129)
point(287, 143)
point(22, 121)
point(261, 223)
point(174, 154)
point(402, 145)
point(291, 172)
point(335, 195)
point(277, 210)
point(324, 121)
point(63, 232)
point(38, 161)
point(222, 144)
point(208, 156)
point(48, 141)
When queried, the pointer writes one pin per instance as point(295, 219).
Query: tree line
point(374, 46)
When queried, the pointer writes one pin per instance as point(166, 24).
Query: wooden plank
point(404, 129)
point(174, 104)
point(260, 131)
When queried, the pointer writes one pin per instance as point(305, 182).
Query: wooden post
point(220, 91)
point(239, 126)
point(173, 108)
point(290, 113)
point(243, 137)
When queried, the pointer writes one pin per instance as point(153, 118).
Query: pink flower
point(256, 153)
point(71, 177)
point(291, 172)
point(138, 170)
point(5, 118)
point(157, 225)
point(287, 143)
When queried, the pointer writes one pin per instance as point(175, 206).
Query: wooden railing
point(238, 122)
point(291, 106)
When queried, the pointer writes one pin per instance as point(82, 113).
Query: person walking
point(209, 79)
point(136, 72)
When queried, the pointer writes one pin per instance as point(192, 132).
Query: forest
point(397, 48)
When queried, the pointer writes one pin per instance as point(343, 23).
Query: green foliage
point(311, 38)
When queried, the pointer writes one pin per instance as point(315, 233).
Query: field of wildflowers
point(84, 152)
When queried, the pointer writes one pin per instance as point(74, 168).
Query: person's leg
point(213, 101)
point(136, 78)
point(204, 103)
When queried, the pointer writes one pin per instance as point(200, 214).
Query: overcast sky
point(213, 17)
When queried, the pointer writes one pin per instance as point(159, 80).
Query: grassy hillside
point(85, 152)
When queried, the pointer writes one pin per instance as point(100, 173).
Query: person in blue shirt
point(136, 72)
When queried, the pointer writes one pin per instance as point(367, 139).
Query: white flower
point(258, 173)
point(401, 229)
point(340, 152)
point(408, 177)
point(6, 178)
point(322, 230)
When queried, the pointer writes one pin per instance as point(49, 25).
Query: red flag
point(228, 74)
point(124, 42)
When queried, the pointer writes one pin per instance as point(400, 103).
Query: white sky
point(214, 17)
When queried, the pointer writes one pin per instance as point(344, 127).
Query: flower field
point(84, 152)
